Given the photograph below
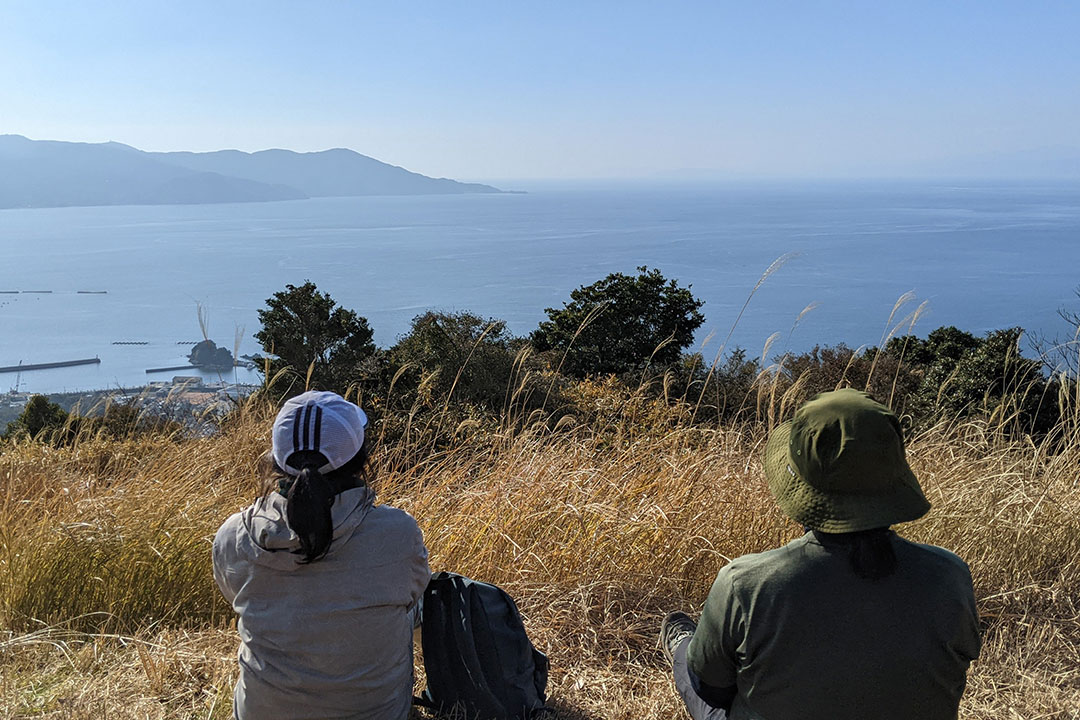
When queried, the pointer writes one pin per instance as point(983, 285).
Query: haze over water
point(984, 256)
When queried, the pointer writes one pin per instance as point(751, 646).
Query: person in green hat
point(848, 622)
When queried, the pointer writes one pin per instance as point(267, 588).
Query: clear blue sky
point(485, 90)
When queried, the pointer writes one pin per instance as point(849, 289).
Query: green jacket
point(800, 635)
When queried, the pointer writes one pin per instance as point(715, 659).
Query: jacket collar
point(266, 524)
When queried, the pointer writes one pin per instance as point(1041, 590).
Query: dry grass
point(108, 609)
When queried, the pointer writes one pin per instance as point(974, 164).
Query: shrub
point(621, 324)
point(723, 391)
point(313, 338)
point(460, 353)
point(881, 374)
point(40, 419)
point(962, 375)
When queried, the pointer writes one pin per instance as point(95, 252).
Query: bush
point(621, 324)
point(322, 345)
point(457, 352)
point(962, 375)
point(825, 368)
point(41, 419)
point(724, 391)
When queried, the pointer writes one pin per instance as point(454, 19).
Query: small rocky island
point(206, 355)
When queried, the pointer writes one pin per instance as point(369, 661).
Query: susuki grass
point(108, 608)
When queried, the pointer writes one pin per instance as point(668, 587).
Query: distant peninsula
point(47, 173)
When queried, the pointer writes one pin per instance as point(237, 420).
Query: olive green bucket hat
point(839, 466)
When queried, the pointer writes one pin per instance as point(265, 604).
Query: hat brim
point(838, 512)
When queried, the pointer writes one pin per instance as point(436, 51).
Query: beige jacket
point(329, 639)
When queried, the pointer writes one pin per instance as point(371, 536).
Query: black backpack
point(476, 653)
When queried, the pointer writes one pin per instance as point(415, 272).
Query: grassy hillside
point(598, 527)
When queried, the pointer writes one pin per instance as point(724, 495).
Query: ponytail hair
point(308, 512)
point(311, 495)
point(871, 554)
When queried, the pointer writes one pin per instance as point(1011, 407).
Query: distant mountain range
point(46, 173)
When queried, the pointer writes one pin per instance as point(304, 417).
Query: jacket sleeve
point(968, 642)
point(224, 558)
point(419, 572)
point(713, 653)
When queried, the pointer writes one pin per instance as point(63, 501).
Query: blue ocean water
point(981, 256)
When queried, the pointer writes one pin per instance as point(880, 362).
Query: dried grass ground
point(108, 608)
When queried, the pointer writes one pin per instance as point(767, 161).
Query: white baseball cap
point(320, 421)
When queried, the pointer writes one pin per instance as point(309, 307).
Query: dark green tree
point(943, 347)
point(962, 374)
point(621, 324)
point(465, 352)
point(303, 328)
point(40, 419)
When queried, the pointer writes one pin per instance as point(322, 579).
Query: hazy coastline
point(984, 257)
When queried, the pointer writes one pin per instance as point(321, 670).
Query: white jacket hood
point(274, 544)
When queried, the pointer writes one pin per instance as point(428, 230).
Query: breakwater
point(47, 366)
point(169, 369)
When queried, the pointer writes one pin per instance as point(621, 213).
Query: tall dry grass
point(108, 608)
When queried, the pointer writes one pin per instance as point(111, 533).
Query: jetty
point(49, 366)
point(91, 292)
point(131, 342)
point(171, 369)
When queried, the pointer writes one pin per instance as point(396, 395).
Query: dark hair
point(310, 495)
point(872, 555)
point(870, 552)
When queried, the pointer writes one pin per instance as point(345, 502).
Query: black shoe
point(674, 630)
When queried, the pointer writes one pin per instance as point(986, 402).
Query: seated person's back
point(814, 640)
point(325, 582)
point(849, 621)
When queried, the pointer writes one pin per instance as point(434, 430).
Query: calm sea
point(982, 256)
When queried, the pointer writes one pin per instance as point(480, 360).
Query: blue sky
point(488, 90)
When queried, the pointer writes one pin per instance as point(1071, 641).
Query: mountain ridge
point(309, 172)
point(55, 173)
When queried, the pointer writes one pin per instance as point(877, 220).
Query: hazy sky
point(486, 90)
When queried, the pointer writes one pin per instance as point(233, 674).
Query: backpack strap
point(437, 641)
point(472, 671)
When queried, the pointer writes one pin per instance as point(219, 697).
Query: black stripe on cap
point(318, 427)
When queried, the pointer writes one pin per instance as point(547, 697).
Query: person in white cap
point(325, 582)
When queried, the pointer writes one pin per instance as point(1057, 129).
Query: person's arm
point(712, 657)
point(419, 572)
point(224, 536)
point(971, 638)
point(966, 641)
